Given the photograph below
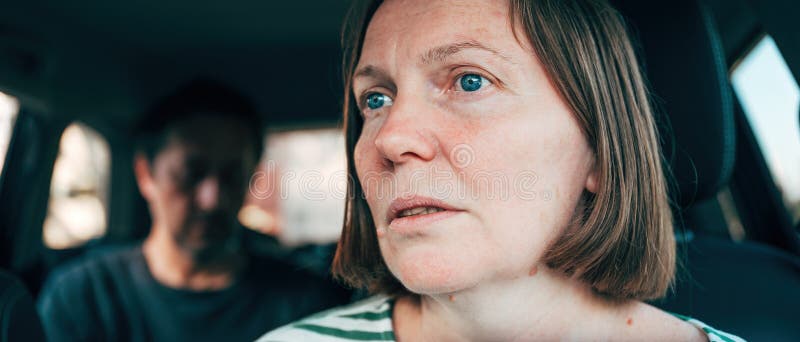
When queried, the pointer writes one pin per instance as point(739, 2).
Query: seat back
point(748, 289)
point(18, 318)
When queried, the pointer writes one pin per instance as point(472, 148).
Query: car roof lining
point(103, 63)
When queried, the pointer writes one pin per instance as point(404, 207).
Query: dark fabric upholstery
point(685, 65)
point(746, 289)
point(18, 318)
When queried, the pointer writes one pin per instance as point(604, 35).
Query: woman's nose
point(207, 193)
point(406, 134)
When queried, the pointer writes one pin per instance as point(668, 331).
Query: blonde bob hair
point(622, 242)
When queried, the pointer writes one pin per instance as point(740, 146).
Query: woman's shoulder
point(713, 335)
point(646, 320)
point(368, 319)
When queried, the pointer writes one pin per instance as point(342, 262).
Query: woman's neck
point(540, 306)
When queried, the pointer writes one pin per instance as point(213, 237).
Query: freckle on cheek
point(630, 321)
point(534, 270)
point(380, 232)
point(452, 298)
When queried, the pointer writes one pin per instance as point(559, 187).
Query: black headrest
point(685, 64)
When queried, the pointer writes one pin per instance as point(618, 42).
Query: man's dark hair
point(199, 97)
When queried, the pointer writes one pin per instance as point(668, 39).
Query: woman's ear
point(591, 180)
point(144, 178)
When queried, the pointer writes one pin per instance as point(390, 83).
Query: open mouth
point(415, 213)
point(419, 211)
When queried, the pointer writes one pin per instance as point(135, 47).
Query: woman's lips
point(419, 222)
point(413, 213)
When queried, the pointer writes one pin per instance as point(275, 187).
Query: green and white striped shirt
point(371, 320)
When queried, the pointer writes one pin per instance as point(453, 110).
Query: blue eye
point(378, 100)
point(471, 82)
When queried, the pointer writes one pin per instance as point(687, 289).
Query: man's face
point(196, 184)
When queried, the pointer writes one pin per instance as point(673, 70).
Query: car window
point(298, 190)
point(771, 101)
point(77, 209)
point(9, 107)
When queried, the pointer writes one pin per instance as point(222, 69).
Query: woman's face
point(470, 162)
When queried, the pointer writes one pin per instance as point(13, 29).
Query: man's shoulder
point(292, 274)
point(296, 282)
point(368, 319)
point(82, 271)
point(82, 290)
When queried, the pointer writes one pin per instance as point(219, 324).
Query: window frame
point(25, 188)
point(758, 202)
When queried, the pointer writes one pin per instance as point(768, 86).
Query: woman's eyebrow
point(371, 71)
point(436, 54)
point(442, 52)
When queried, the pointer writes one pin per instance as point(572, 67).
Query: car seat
point(745, 288)
point(18, 318)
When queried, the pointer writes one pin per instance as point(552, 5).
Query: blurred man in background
point(191, 278)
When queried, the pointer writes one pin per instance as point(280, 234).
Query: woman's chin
point(434, 273)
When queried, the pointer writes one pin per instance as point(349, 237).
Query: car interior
point(101, 64)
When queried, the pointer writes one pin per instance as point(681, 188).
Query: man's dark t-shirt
point(114, 297)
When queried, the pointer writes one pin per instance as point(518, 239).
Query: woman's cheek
point(481, 111)
point(365, 140)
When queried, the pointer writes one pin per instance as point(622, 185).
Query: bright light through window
point(298, 190)
point(771, 101)
point(76, 212)
point(9, 107)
